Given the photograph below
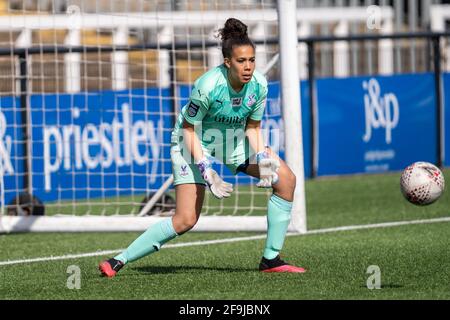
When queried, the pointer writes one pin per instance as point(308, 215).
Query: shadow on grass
point(188, 269)
point(388, 286)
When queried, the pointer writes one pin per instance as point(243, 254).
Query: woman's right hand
point(219, 188)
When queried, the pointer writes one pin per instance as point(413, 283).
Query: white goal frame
point(292, 22)
point(294, 157)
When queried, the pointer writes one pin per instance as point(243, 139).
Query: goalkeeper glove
point(219, 188)
point(268, 168)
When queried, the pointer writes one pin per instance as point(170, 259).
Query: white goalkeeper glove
point(268, 168)
point(219, 188)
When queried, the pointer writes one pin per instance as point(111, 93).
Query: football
point(422, 183)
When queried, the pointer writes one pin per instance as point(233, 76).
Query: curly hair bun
point(233, 28)
point(234, 33)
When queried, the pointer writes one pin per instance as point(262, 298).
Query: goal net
point(89, 95)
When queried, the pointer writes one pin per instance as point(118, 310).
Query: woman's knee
point(286, 185)
point(190, 222)
point(184, 222)
point(292, 180)
point(287, 180)
point(189, 198)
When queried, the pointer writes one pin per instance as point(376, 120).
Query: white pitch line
point(230, 240)
point(379, 225)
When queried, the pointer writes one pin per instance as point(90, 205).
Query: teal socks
point(149, 242)
point(278, 218)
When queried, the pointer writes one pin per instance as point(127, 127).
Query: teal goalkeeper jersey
point(221, 111)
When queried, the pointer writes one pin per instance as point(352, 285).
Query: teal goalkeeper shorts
point(185, 171)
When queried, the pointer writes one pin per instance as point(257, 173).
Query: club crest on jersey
point(192, 109)
point(251, 100)
point(236, 102)
point(183, 171)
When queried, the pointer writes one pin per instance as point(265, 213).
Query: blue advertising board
point(98, 144)
point(111, 143)
point(375, 124)
point(11, 147)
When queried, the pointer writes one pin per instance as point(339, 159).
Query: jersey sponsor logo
point(192, 109)
point(236, 102)
point(229, 120)
point(251, 100)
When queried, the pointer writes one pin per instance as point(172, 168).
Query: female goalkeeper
point(226, 105)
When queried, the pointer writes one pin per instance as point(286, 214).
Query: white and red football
point(422, 183)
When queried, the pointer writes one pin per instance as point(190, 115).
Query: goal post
point(290, 99)
point(91, 145)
